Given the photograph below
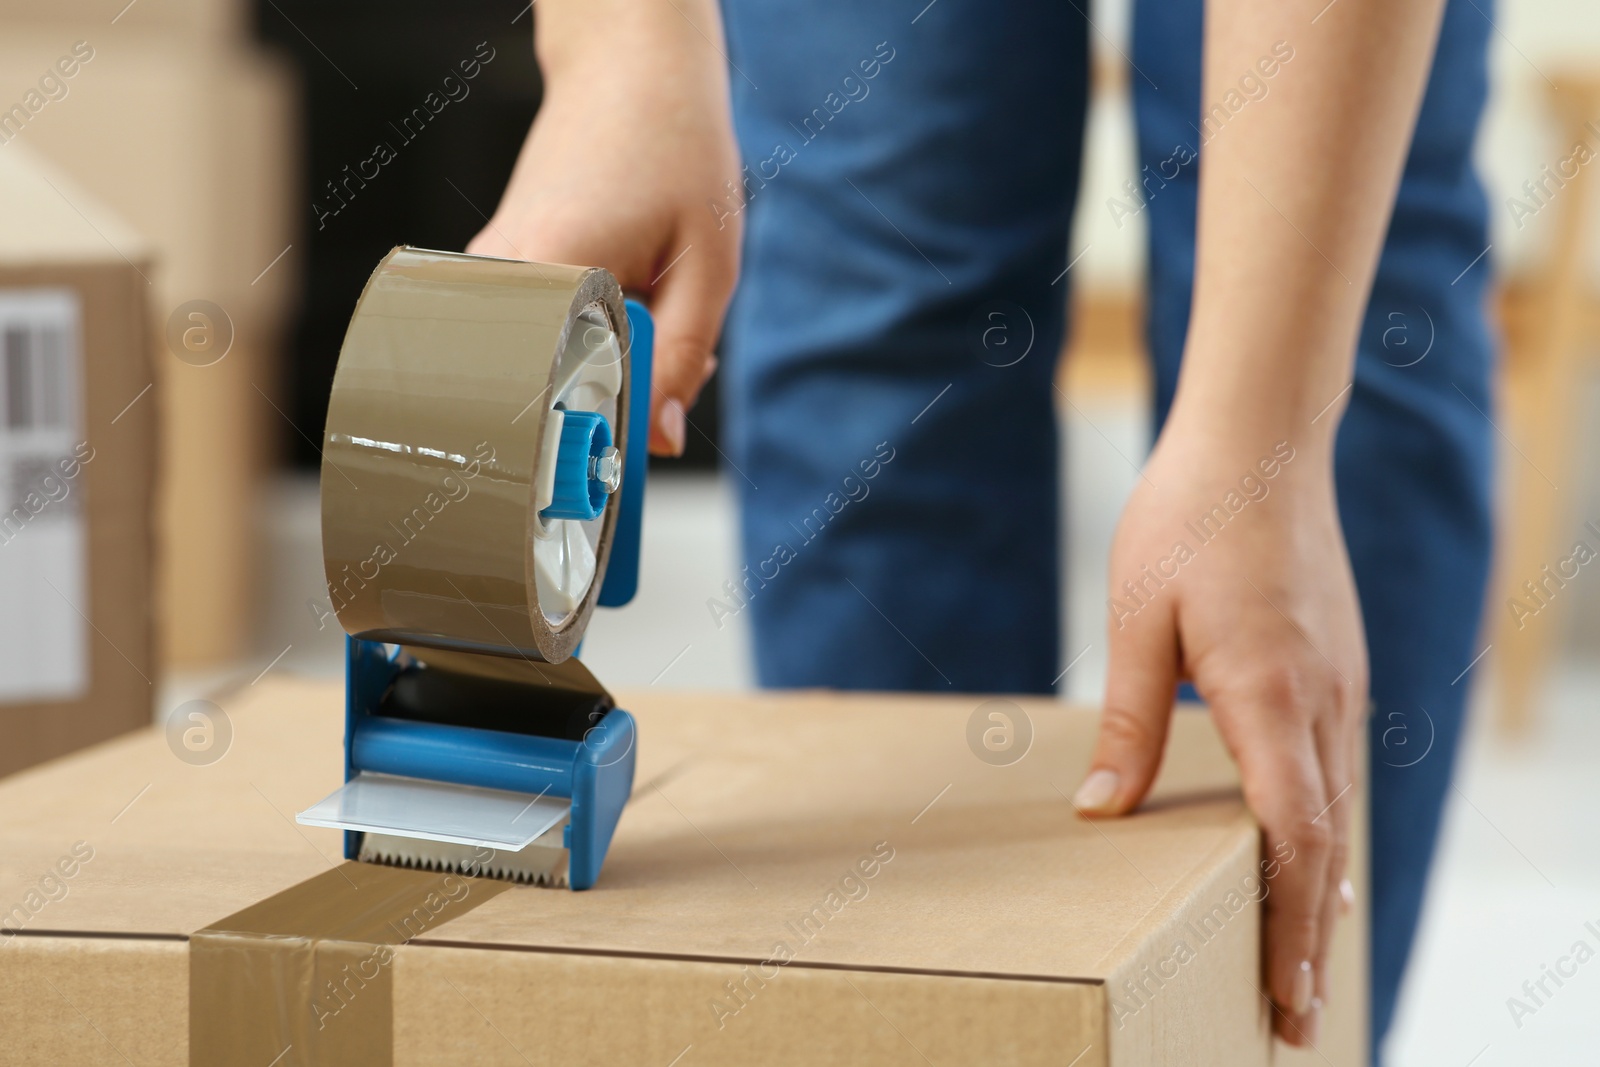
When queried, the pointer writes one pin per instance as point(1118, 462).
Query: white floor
point(1518, 878)
point(1519, 871)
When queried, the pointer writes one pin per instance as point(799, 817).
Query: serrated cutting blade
point(439, 826)
point(541, 863)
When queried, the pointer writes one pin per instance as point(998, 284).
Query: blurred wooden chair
point(1551, 323)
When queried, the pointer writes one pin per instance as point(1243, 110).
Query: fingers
point(688, 300)
point(688, 285)
point(1133, 728)
point(1337, 899)
point(1284, 786)
point(1336, 747)
point(1335, 750)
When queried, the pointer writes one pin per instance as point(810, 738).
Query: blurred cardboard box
point(799, 879)
point(193, 144)
point(197, 19)
point(78, 408)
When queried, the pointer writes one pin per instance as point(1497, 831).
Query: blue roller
point(580, 486)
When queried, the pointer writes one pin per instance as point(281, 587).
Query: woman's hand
point(632, 145)
point(1261, 613)
point(1229, 570)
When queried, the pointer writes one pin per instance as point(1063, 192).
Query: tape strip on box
point(305, 978)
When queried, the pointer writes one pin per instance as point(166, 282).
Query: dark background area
point(364, 66)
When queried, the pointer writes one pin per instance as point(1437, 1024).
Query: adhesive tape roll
point(439, 455)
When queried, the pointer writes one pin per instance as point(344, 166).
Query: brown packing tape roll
point(440, 413)
point(305, 978)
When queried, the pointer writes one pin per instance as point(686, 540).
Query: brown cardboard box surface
point(1001, 930)
point(57, 237)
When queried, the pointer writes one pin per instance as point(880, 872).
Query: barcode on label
point(40, 488)
point(35, 363)
point(43, 529)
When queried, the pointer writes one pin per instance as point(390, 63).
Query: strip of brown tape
point(304, 978)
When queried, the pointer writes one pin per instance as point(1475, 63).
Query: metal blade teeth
point(490, 870)
point(535, 865)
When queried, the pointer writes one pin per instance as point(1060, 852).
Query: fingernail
point(1347, 896)
point(1097, 791)
point(1304, 982)
point(1311, 1024)
point(670, 424)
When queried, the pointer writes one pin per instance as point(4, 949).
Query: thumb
point(1139, 693)
point(688, 301)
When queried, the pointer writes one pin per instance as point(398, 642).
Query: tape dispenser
point(482, 489)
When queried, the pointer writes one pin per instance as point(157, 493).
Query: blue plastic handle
point(622, 568)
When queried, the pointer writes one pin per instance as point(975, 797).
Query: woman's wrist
point(1226, 421)
point(1243, 393)
point(583, 40)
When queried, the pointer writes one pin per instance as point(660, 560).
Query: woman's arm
point(1258, 607)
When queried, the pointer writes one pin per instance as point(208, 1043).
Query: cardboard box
point(77, 454)
point(799, 879)
point(194, 144)
point(209, 21)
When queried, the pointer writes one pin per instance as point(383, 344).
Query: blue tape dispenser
point(482, 491)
